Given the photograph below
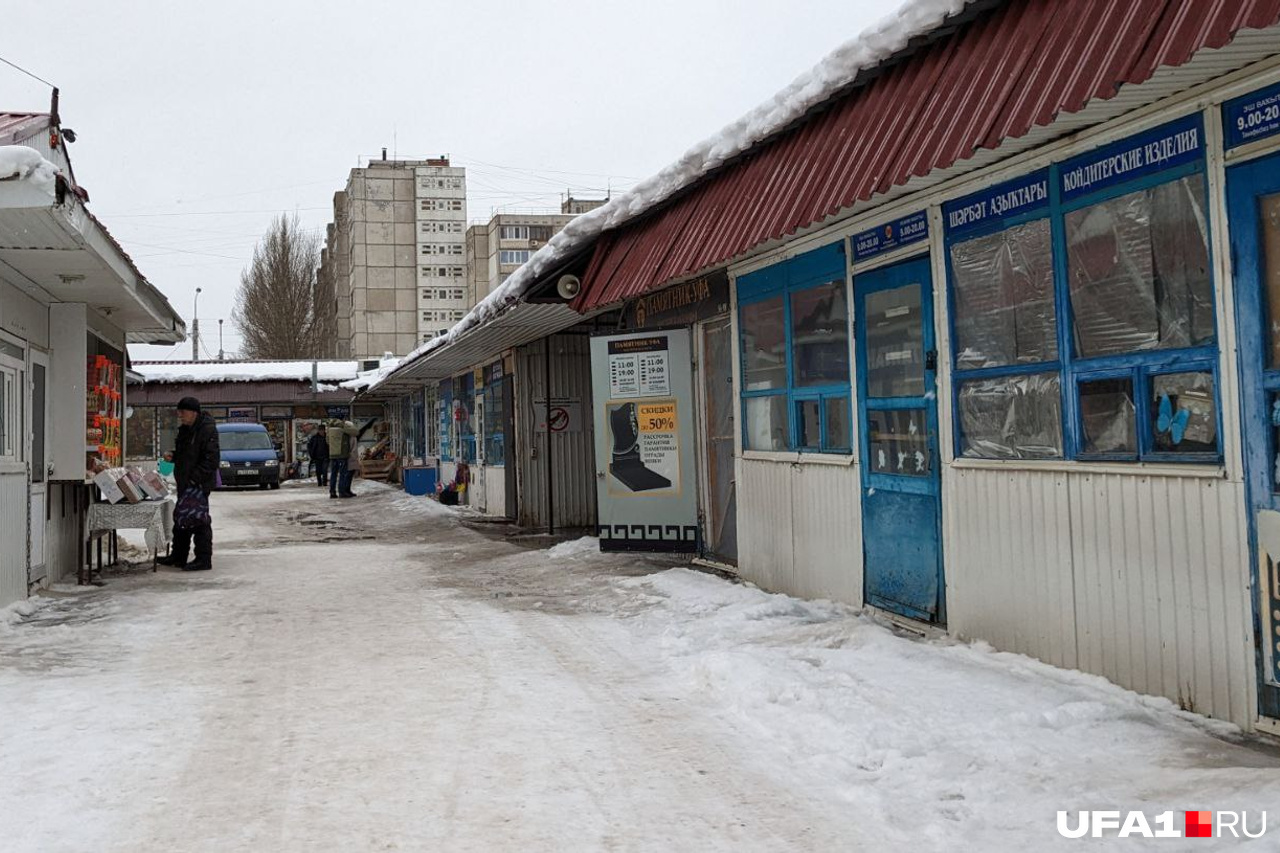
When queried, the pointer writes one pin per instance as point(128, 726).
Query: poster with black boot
point(195, 457)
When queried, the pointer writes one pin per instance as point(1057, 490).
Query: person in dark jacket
point(195, 458)
point(318, 453)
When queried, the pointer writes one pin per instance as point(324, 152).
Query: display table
point(155, 517)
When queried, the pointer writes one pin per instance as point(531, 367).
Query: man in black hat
point(195, 458)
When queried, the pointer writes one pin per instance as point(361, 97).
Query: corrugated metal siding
point(493, 491)
point(827, 528)
point(573, 457)
point(1010, 73)
point(13, 538)
point(812, 545)
point(1141, 579)
point(64, 534)
point(766, 552)
point(1007, 550)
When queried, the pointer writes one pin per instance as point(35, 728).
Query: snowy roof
point(244, 371)
point(370, 378)
point(18, 162)
point(825, 80)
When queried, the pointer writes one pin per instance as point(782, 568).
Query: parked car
point(248, 457)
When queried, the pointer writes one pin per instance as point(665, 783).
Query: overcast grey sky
point(197, 123)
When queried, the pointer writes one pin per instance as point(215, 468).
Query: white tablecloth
point(155, 517)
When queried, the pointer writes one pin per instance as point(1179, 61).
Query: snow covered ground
point(377, 675)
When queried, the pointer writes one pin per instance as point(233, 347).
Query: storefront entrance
point(898, 420)
point(1253, 196)
point(37, 409)
point(719, 496)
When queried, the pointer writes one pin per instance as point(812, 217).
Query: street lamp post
point(195, 328)
point(221, 354)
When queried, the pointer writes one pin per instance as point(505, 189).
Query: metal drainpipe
point(551, 503)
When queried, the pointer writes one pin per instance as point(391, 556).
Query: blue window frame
point(793, 335)
point(446, 420)
point(1098, 341)
point(464, 409)
point(495, 416)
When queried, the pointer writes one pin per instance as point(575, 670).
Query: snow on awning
point(61, 250)
point(519, 324)
point(175, 372)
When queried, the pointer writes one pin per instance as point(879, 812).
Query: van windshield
point(245, 441)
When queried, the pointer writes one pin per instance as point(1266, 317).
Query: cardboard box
point(154, 486)
point(131, 492)
point(106, 483)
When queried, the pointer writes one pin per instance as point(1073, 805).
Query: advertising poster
point(642, 388)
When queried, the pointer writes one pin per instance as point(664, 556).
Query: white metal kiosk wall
point(1120, 544)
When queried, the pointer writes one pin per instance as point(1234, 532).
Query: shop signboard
point(1165, 147)
point(1002, 202)
point(681, 304)
point(642, 388)
point(1252, 117)
point(890, 236)
point(242, 415)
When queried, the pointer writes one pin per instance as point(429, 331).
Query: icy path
point(442, 689)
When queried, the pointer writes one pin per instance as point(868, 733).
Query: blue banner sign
point(890, 236)
point(1173, 144)
point(1252, 117)
point(1002, 201)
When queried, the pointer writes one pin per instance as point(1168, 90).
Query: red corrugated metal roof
point(995, 78)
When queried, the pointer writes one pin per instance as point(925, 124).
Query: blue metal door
point(898, 418)
point(1253, 197)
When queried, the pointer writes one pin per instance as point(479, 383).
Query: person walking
point(195, 457)
point(341, 436)
point(353, 460)
point(318, 453)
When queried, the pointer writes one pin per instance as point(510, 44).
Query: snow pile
point(937, 744)
point(245, 371)
point(415, 505)
point(18, 611)
point(575, 549)
point(20, 163)
point(840, 68)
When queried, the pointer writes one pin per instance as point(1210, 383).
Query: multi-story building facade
point(494, 251)
point(395, 254)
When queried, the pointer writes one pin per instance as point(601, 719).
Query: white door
point(13, 476)
point(37, 436)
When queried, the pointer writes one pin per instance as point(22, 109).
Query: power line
point(26, 72)
point(207, 213)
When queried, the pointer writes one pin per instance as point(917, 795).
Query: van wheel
point(275, 485)
point(262, 485)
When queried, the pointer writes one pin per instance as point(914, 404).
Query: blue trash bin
point(420, 481)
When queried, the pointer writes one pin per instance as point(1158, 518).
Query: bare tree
point(280, 309)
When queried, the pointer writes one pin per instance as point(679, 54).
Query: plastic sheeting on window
point(767, 427)
point(1012, 417)
point(1139, 271)
point(1108, 417)
point(820, 335)
point(1184, 413)
point(1004, 306)
point(764, 345)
